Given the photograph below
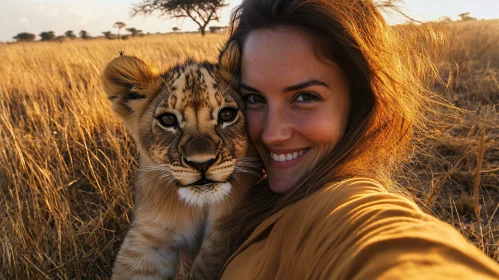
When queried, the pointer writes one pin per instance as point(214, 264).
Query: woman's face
point(297, 105)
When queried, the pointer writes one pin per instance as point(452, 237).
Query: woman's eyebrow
point(305, 84)
point(248, 88)
point(290, 88)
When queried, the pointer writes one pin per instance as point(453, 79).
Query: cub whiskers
point(162, 173)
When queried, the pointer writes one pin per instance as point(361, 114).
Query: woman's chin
point(280, 185)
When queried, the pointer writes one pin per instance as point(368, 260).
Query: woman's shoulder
point(360, 230)
point(351, 196)
point(350, 205)
point(356, 206)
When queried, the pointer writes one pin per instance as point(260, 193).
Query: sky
point(96, 16)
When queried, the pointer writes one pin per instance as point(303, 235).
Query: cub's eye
point(227, 115)
point(168, 120)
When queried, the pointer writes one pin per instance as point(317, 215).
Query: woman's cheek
point(255, 125)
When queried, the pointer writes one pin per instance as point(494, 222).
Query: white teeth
point(286, 157)
point(274, 157)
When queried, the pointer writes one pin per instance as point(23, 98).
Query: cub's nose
point(200, 152)
point(201, 166)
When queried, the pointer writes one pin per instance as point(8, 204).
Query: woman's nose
point(276, 128)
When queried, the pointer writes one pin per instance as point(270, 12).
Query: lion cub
point(195, 165)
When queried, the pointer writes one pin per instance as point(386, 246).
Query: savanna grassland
point(66, 160)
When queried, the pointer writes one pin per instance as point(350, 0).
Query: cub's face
point(187, 123)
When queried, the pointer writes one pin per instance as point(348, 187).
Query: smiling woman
point(297, 105)
point(333, 99)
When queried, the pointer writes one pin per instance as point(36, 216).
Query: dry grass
point(456, 174)
point(66, 161)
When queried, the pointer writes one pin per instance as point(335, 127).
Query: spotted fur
point(190, 175)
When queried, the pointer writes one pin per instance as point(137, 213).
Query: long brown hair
point(384, 71)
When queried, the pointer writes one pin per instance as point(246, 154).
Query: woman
point(333, 99)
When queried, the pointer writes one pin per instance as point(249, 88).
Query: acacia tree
point(134, 31)
point(445, 19)
point(109, 35)
point(200, 11)
point(119, 25)
point(466, 16)
point(70, 34)
point(47, 36)
point(388, 3)
point(215, 29)
point(24, 37)
point(84, 34)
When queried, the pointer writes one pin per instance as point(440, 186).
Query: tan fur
point(229, 61)
point(172, 158)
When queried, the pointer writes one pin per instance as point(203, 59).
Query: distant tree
point(134, 31)
point(215, 29)
point(61, 38)
point(386, 3)
point(175, 29)
point(70, 34)
point(444, 19)
point(24, 37)
point(119, 25)
point(47, 36)
point(109, 35)
point(84, 35)
point(200, 11)
point(466, 16)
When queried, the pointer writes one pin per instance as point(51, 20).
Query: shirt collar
point(259, 230)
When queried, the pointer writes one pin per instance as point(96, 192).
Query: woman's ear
point(230, 63)
point(129, 82)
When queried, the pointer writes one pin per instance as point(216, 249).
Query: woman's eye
point(254, 99)
point(307, 97)
point(168, 120)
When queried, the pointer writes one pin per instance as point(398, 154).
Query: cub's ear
point(129, 82)
point(230, 63)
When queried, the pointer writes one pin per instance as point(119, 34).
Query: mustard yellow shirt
point(357, 230)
